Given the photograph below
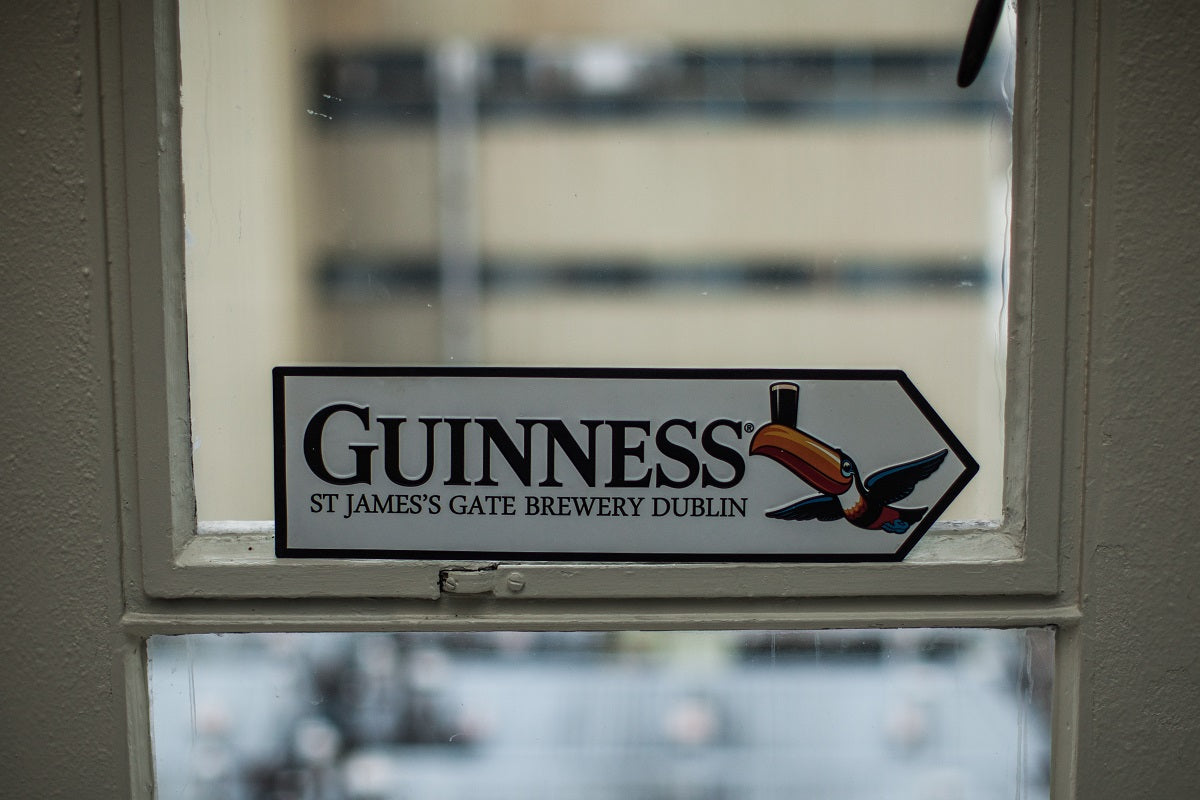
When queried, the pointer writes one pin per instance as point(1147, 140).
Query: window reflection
point(664, 183)
point(920, 714)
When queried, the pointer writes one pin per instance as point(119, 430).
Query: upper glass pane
point(784, 183)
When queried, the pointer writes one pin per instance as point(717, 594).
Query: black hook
point(979, 38)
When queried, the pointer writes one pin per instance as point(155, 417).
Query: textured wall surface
point(1140, 710)
point(61, 720)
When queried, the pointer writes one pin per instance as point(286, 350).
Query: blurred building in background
point(713, 715)
point(788, 183)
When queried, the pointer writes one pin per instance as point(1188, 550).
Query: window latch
point(984, 22)
point(468, 580)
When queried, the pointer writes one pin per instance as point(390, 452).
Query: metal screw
point(516, 583)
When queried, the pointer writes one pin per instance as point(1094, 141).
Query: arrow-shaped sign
point(608, 464)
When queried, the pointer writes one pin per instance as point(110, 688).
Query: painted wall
point(61, 704)
point(62, 730)
point(1140, 709)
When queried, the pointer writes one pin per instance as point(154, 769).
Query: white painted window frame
point(1023, 572)
point(1018, 557)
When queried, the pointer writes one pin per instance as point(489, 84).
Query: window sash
point(1019, 556)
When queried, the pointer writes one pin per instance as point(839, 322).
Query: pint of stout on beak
point(785, 404)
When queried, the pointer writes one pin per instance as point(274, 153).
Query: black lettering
point(621, 451)
point(391, 450)
point(519, 460)
point(676, 452)
point(383, 505)
point(321, 501)
point(458, 452)
point(723, 453)
point(584, 461)
point(315, 457)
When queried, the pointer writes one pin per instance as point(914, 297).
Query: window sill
point(237, 560)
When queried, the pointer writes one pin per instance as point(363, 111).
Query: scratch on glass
point(191, 668)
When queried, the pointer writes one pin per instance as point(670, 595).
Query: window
point(620, 186)
point(1001, 575)
point(1019, 553)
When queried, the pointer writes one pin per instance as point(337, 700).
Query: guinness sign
point(608, 464)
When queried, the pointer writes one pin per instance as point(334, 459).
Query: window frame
point(1021, 557)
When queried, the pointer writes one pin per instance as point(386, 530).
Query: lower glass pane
point(921, 714)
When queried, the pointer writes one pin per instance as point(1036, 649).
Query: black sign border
point(279, 374)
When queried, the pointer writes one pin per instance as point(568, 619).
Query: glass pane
point(760, 715)
point(661, 183)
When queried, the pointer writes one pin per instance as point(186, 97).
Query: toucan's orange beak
point(808, 458)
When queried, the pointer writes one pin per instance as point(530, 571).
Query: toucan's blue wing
point(891, 484)
point(823, 507)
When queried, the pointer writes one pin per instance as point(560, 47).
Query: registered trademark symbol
point(748, 427)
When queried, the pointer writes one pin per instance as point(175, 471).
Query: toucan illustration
point(844, 494)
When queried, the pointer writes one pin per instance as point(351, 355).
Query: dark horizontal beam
point(625, 81)
point(355, 279)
